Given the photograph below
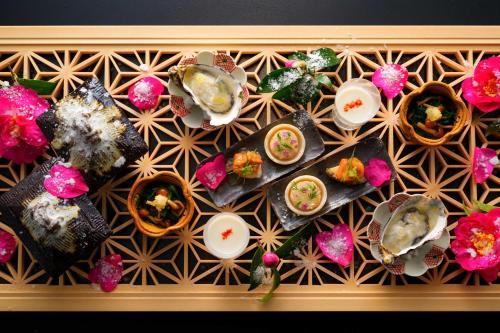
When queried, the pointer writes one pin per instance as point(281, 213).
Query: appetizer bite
point(90, 132)
point(305, 195)
point(350, 171)
point(432, 116)
point(58, 230)
point(284, 144)
point(160, 203)
point(247, 164)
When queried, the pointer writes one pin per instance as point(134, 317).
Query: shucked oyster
point(415, 222)
point(212, 89)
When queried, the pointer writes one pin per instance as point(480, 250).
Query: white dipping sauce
point(226, 235)
point(356, 102)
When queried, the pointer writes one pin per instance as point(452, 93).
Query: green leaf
point(287, 248)
point(40, 86)
point(322, 58)
point(482, 206)
point(300, 92)
point(276, 283)
point(494, 129)
point(298, 56)
point(324, 80)
point(467, 210)
point(279, 79)
point(256, 262)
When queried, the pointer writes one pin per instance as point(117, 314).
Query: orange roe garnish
point(490, 88)
point(354, 104)
point(226, 233)
point(483, 242)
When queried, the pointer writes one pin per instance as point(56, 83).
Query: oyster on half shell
point(215, 91)
point(415, 222)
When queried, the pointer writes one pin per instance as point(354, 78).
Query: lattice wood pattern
point(177, 272)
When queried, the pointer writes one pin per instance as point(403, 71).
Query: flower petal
point(144, 93)
point(7, 246)
point(483, 163)
point(212, 173)
point(490, 274)
point(483, 89)
point(377, 172)
point(107, 272)
point(391, 78)
point(337, 245)
point(65, 182)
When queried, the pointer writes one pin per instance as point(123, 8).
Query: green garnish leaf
point(322, 58)
point(40, 86)
point(301, 91)
point(256, 262)
point(494, 129)
point(482, 206)
point(298, 204)
point(279, 79)
point(286, 145)
point(298, 56)
point(287, 248)
point(279, 136)
point(324, 80)
point(276, 283)
point(467, 210)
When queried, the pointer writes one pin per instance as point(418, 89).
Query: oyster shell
point(215, 91)
point(415, 222)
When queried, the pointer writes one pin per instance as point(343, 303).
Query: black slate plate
point(234, 187)
point(338, 194)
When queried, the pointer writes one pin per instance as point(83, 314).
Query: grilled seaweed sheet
point(87, 230)
point(129, 142)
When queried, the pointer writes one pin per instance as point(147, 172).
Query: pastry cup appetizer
point(56, 231)
point(284, 144)
point(90, 132)
point(247, 164)
point(305, 195)
point(160, 204)
point(432, 114)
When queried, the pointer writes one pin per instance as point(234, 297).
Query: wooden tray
point(177, 273)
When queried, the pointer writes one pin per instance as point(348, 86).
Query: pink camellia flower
point(483, 89)
point(144, 93)
point(7, 246)
point(213, 172)
point(391, 78)
point(65, 182)
point(483, 163)
point(377, 172)
point(337, 245)
point(107, 272)
point(21, 140)
point(477, 243)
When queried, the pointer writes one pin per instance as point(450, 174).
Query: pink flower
point(483, 89)
point(144, 93)
point(477, 243)
point(270, 259)
point(377, 172)
point(391, 78)
point(65, 182)
point(107, 272)
point(21, 140)
point(7, 246)
point(337, 245)
point(212, 173)
point(483, 163)
point(295, 64)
